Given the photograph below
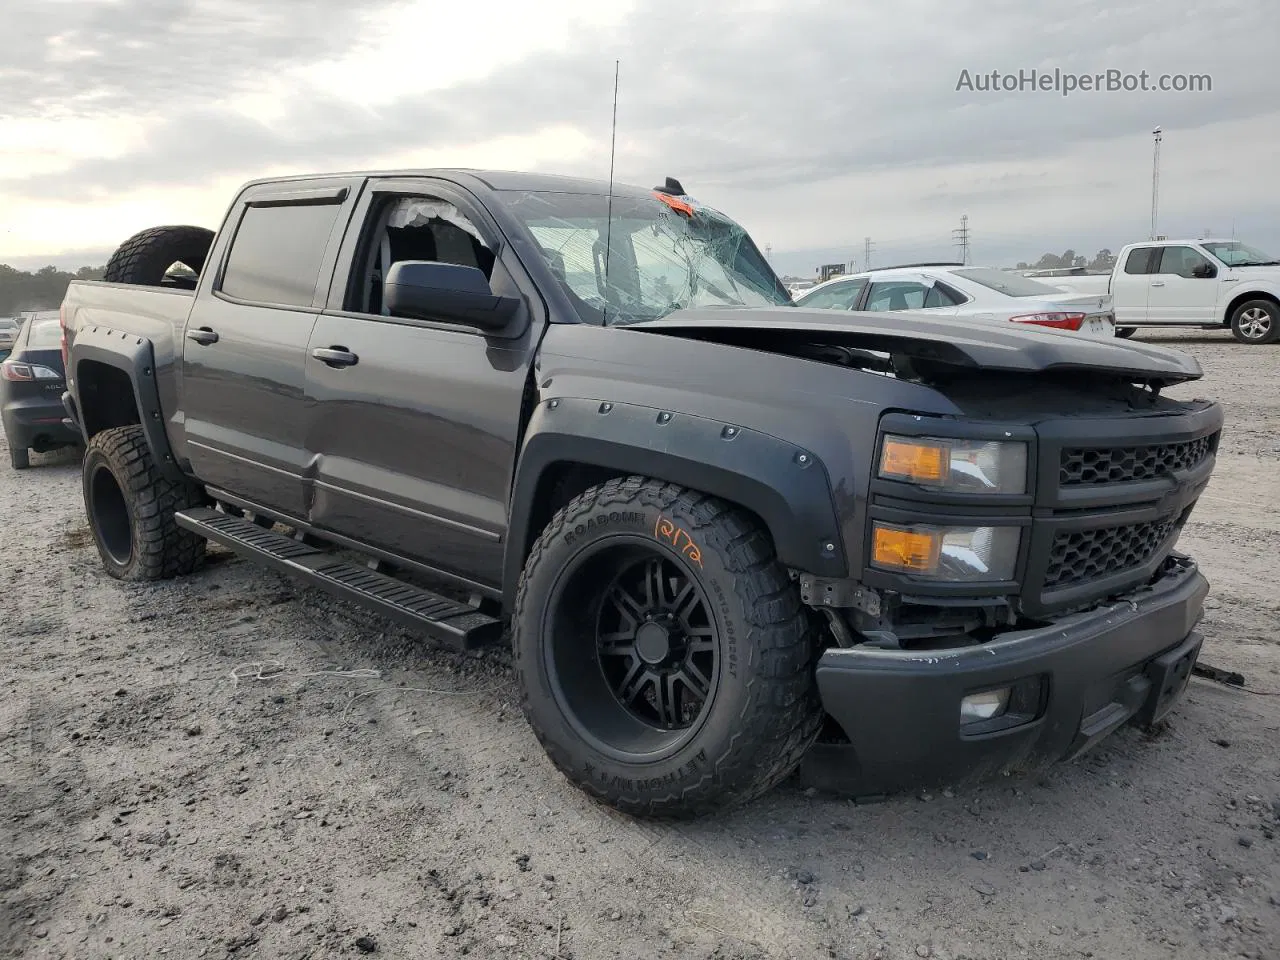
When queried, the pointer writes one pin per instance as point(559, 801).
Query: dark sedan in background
point(31, 385)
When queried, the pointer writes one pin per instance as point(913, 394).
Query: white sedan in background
point(981, 294)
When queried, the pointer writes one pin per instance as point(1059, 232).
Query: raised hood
point(932, 346)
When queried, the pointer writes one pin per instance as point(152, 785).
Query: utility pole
point(1157, 133)
point(768, 252)
point(867, 247)
point(962, 239)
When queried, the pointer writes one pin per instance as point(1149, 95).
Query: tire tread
point(144, 257)
point(162, 549)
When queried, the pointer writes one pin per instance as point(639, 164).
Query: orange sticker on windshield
point(675, 203)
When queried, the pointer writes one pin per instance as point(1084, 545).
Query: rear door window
point(940, 295)
point(1139, 260)
point(897, 295)
point(276, 253)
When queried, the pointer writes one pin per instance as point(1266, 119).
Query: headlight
point(954, 554)
point(962, 466)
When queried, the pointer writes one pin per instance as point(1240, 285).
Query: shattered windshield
point(651, 257)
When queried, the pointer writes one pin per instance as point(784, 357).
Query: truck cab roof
point(500, 180)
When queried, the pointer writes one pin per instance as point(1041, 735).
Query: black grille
point(1085, 465)
point(1089, 554)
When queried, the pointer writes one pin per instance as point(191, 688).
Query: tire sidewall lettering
point(602, 519)
point(601, 775)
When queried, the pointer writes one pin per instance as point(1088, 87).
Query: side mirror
point(426, 290)
point(1205, 271)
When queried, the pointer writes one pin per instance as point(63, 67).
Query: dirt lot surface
point(231, 765)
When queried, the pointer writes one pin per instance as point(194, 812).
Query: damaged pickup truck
point(732, 537)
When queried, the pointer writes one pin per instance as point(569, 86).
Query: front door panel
point(416, 440)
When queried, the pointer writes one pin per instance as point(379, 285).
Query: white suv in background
point(980, 294)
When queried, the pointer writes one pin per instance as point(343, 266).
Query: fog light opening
point(987, 705)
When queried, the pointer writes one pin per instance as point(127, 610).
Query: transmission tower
point(961, 236)
point(867, 247)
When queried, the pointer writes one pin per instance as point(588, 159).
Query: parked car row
point(1209, 284)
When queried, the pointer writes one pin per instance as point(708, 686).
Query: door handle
point(335, 356)
point(203, 336)
point(1157, 283)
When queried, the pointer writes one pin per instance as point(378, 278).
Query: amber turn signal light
point(919, 461)
point(911, 551)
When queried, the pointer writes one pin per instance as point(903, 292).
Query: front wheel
point(665, 660)
point(131, 503)
point(1256, 322)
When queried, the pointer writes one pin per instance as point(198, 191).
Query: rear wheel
point(130, 505)
point(1126, 332)
point(1256, 322)
point(147, 256)
point(665, 660)
point(19, 457)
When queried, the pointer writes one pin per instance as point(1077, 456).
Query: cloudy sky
point(814, 124)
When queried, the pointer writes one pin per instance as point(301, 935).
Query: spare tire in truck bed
point(145, 258)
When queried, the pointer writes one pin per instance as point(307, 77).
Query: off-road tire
point(19, 457)
point(765, 711)
point(1241, 325)
point(146, 256)
point(1124, 333)
point(136, 535)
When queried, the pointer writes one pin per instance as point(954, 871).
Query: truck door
point(243, 358)
point(415, 423)
point(1184, 287)
point(1132, 284)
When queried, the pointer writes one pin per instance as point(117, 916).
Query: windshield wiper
point(1259, 263)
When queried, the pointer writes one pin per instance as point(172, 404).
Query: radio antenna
point(613, 148)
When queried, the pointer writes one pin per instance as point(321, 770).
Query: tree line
point(43, 289)
point(1102, 262)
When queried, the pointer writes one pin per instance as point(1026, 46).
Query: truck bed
point(1096, 286)
point(156, 313)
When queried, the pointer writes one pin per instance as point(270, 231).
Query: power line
point(961, 236)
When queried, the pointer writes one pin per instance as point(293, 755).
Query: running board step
point(449, 621)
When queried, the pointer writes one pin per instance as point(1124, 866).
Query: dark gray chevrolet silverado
point(732, 537)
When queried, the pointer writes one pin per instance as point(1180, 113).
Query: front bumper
point(900, 709)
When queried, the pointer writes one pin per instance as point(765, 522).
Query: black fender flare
point(785, 485)
point(135, 357)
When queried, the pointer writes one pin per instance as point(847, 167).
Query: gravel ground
point(232, 765)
